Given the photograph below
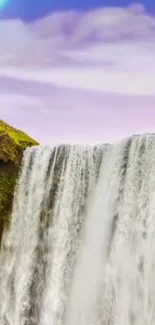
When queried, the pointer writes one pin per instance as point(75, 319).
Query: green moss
point(7, 185)
point(20, 138)
point(12, 145)
point(8, 178)
point(13, 142)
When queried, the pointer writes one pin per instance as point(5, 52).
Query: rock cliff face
point(12, 145)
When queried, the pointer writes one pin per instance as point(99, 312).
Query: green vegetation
point(13, 142)
point(8, 177)
point(12, 145)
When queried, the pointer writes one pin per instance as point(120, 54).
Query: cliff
point(13, 142)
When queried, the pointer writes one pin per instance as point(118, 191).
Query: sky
point(30, 10)
point(78, 74)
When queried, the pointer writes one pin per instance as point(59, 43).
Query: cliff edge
point(13, 142)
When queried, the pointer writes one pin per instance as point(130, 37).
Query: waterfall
point(114, 279)
point(81, 245)
point(39, 252)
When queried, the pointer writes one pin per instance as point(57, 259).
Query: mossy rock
point(12, 145)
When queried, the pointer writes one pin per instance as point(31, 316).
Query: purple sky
point(74, 77)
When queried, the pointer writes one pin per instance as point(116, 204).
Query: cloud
point(64, 115)
point(131, 70)
point(14, 36)
point(100, 24)
point(74, 72)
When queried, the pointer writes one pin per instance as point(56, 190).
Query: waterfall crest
point(81, 244)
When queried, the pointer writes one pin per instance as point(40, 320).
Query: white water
point(39, 252)
point(81, 249)
point(116, 270)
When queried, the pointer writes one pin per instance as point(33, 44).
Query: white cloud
point(14, 37)
point(99, 24)
point(130, 73)
point(60, 70)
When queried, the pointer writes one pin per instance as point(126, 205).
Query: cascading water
point(39, 252)
point(81, 245)
point(116, 264)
